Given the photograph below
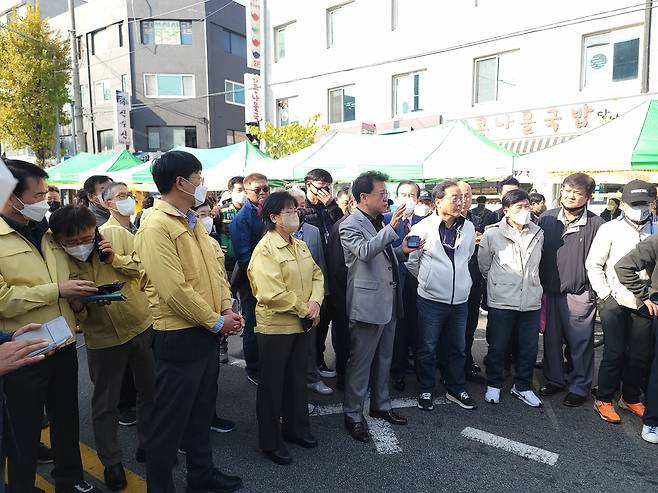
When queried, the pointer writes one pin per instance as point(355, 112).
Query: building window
point(120, 26)
point(235, 44)
point(406, 93)
point(342, 104)
point(98, 41)
point(286, 111)
point(235, 137)
point(611, 57)
point(233, 92)
point(283, 40)
point(166, 32)
point(166, 138)
point(105, 140)
point(338, 27)
point(102, 91)
point(496, 77)
point(168, 85)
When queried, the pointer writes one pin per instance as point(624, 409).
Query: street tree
point(34, 74)
point(287, 139)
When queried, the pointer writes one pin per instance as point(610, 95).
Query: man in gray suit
point(374, 302)
point(310, 235)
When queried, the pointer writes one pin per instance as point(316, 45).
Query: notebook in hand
point(56, 332)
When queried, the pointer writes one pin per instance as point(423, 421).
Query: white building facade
point(527, 74)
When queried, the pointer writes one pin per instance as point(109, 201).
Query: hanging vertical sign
point(252, 98)
point(121, 118)
point(254, 39)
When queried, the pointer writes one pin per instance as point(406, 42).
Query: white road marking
point(518, 448)
point(381, 432)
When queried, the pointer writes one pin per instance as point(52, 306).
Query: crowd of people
point(399, 282)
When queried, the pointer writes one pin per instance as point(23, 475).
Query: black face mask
point(53, 206)
point(573, 210)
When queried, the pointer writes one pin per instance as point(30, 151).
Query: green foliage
point(282, 141)
point(34, 74)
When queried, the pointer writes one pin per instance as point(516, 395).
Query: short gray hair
point(107, 193)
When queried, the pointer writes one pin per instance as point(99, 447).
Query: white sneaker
point(492, 396)
point(320, 388)
point(527, 396)
point(650, 434)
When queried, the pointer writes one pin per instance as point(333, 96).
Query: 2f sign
point(121, 118)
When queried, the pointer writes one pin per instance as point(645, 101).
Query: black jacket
point(336, 266)
point(322, 217)
point(643, 257)
point(562, 268)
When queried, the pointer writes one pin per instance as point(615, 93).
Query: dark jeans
point(281, 402)
point(474, 299)
point(503, 326)
point(249, 342)
point(434, 318)
point(406, 329)
point(53, 382)
point(186, 373)
point(651, 413)
point(626, 353)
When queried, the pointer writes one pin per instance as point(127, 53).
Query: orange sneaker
point(637, 409)
point(606, 410)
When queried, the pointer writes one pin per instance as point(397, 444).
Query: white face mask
point(638, 213)
point(422, 210)
point(126, 207)
point(207, 223)
point(7, 184)
point(80, 252)
point(238, 198)
point(522, 217)
point(409, 206)
point(200, 193)
point(34, 212)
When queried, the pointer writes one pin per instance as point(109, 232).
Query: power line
point(524, 32)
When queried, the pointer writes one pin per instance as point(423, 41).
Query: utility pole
point(75, 76)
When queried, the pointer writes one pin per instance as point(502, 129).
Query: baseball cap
point(638, 191)
point(424, 195)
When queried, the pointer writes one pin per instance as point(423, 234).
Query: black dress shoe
point(574, 400)
point(475, 377)
point(140, 455)
point(390, 416)
point(281, 457)
point(115, 477)
point(550, 389)
point(399, 384)
point(308, 441)
point(218, 483)
point(358, 431)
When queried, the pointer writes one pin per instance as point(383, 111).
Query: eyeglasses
point(124, 196)
point(259, 190)
point(82, 241)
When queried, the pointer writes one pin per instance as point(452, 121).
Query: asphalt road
point(431, 454)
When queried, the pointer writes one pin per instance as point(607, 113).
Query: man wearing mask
point(405, 330)
point(569, 233)
point(118, 335)
point(191, 305)
point(54, 199)
point(509, 183)
point(322, 211)
point(628, 333)
point(612, 209)
point(93, 189)
point(228, 213)
point(34, 280)
point(247, 229)
point(425, 205)
point(444, 283)
point(311, 235)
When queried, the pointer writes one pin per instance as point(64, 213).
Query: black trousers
point(474, 299)
point(281, 402)
point(128, 396)
point(321, 332)
point(186, 373)
point(627, 351)
point(52, 382)
point(340, 331)
point(651, 413)
point(406, 330)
